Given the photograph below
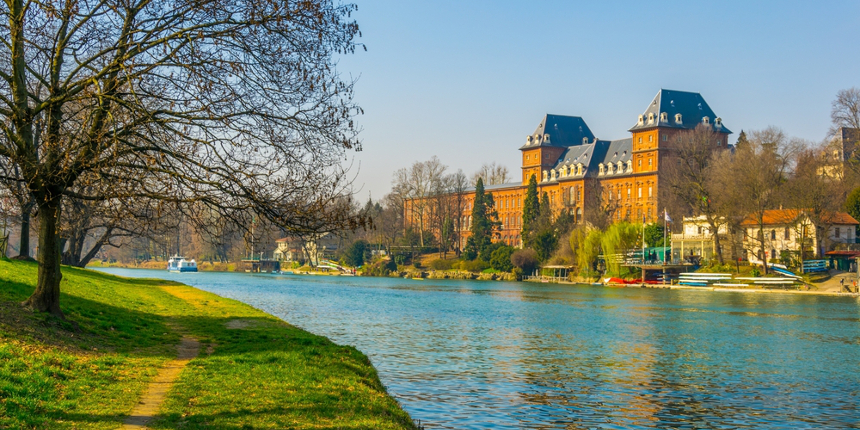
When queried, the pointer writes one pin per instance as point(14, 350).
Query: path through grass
point(254, 370)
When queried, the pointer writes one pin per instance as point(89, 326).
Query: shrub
point(486, 254)
point(518, 273)
point(525, 259)
point(500, 259)
point(380, 267)
point(416, 264)
point(440, 264)
point(474, 265)
point(755, 272)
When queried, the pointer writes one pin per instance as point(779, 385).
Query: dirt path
point(150, 403)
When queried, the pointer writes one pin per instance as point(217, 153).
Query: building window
point(651, 138)
point(838, 231)
point(640, 140)
point(640, 162)
point(787, 233)
point(640, 192)
point(649, 163)
point(628, 195)
point(649, 192)
point(665, 138)
point(773, 235)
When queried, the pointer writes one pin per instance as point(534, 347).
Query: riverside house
point(789, 229)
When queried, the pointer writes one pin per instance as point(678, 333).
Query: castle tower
point(554, 135)
point(670, 113)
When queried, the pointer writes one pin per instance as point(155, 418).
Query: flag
point(666, 216)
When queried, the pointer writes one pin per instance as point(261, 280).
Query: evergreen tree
point(483, 214)
point(742, 141)
point(531, 210)
point(544, 238)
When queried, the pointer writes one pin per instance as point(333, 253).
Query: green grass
point(254, 371)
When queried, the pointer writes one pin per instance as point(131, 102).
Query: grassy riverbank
point(254, 370)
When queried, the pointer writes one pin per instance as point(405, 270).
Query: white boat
point(180, 264)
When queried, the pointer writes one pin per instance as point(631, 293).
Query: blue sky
point(468, 80)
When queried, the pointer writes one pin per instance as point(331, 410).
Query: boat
point(180, 264)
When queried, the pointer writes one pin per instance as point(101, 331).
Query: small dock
point(260, 266)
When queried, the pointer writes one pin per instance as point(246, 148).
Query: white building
point(788, 229)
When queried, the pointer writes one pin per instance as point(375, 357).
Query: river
point(477, 355)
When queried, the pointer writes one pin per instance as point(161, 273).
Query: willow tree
point(232, 107)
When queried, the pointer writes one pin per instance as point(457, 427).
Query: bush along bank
point(253, 370)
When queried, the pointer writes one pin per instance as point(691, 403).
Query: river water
point(477, 355)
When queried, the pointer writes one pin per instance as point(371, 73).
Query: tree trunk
point(717, 245)
point(46, 298)
point(24, 248)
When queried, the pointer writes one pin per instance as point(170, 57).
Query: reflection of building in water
point(635, 372)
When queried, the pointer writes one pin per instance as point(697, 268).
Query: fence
point(814, 266)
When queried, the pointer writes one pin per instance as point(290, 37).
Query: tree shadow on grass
point(246, 353)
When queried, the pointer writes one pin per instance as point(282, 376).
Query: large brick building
point(575, 168)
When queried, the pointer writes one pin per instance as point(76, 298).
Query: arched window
point(773, 235)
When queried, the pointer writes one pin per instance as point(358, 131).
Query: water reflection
point(463, 355)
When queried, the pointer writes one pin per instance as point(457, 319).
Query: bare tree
point(845, 111)
point(815, 194)
point(492, 174)
point(598, 204)
point(458, 185)
point(417, 185)
point(236, 107)
point(753, 178)
point(689, 177)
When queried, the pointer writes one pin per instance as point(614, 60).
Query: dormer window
point(664, 117)
point(651, 118)
point(528, 140)
point(546, 138)
point(579, 169)
point(585, 141)
point(629, 166)
point(545, 174)
point(552, 174)
point(718, 122)
point(602, 169)
point(677, 118)
point(706, 120)
point(641, 121)
point(620, 167)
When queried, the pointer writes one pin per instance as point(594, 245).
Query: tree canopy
point(205, 107)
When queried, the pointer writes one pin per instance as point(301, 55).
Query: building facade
point(576, 169)
point(791, 230)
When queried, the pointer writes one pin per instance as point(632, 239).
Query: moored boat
point(180, 264)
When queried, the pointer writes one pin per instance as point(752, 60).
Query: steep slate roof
point(562, 130)
point(691, 106)
point(788, 216)
point(591, 155)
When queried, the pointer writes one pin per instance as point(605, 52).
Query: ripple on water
point(478, 355)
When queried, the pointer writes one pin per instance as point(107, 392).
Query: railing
point(814, 266)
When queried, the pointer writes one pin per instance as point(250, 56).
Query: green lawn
point(254, 370)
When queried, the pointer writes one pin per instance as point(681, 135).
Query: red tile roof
point(787, 216)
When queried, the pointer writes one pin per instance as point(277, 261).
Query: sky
point(468, 80)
